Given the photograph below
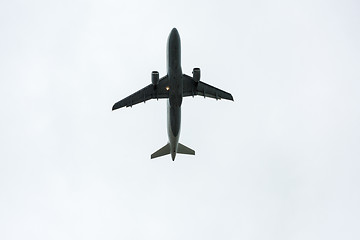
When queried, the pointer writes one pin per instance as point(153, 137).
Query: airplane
point(173, 86)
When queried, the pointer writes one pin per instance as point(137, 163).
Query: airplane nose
point(173, 154)
point(174, 32)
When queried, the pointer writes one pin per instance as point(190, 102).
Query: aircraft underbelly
point(173, 125)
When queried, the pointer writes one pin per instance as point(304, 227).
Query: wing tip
point(116, 106)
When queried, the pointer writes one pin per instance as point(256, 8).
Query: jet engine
point(196, 74)
point(155, 78)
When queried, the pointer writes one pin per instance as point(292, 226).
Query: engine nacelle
point(155, 77)
point(196, 74)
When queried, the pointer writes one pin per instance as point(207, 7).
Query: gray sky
point(281, 162)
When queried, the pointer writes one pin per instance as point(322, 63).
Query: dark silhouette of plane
point(174, 86)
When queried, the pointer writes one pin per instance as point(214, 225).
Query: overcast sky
point(280, 162)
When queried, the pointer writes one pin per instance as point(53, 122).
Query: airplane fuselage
point(175, 90)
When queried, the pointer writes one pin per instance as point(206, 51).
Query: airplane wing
point(148, 92)
point(191, 88)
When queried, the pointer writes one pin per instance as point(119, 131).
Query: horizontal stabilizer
point(185, 150)
point(162, 151)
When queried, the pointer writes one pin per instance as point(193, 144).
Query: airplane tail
point(185, 150)
point(165, 150)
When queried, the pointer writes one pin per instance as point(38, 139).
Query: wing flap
point(191, 88)
point(147, 93)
